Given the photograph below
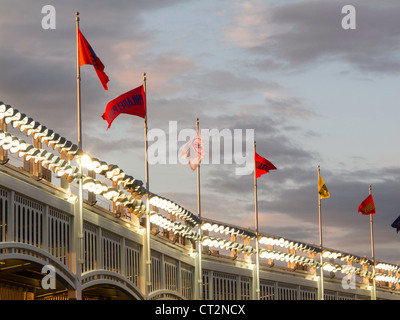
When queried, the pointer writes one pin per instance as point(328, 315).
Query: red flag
point(88, 56)
point(262, 165)
point(367, 206)
point(132, 102)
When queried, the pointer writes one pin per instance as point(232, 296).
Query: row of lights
point(36, 130)
point(61, 167)
point(226, 244)
point(215, 227)
point(387, 267)
point(331, 267)
point(284, 243)
point(174, 226)
point(331, 255)
point(16, 145)
point(113, 173)
point(119, 197)
point(387, 278)
point(288, 257)
point(345, 257)
point(174, 209)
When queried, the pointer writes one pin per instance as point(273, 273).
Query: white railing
point(59, 236)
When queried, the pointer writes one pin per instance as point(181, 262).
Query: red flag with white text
point(132, 102)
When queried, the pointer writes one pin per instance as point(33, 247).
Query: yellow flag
point(322, 189)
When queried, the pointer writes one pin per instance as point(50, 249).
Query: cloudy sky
point(313, 92)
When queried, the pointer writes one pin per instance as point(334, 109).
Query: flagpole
point(321, 292)
point(200, 271)
point(256, 222)
point(373, 292)
point(148, 251)
point(79, 218)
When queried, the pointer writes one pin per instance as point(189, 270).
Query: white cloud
point(249, 26)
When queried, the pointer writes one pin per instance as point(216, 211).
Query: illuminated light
point(72, 151)
point(226, 230)
point(327, 267)
point(5, 137)
point(110, 193)
point(53, 141)
point(263, 240)
point(65, 146)
point(26, 123)
point(3, 109)
point(153, 201)
point(286, 244)
point(66, 170)
point(18, 146)
point(120, 176)
point(85, 160)
point(60, 142)
point(6, 111)
point(135, 186)
point(58, 162)
point(49, 158)
point(40, 156)
point(40, 133)
point(206, 226)
point(14, 115)
point(32, 127)
point(48, 136)
point(112, 169)
point(32, 153)
point(13, 143)
point(23, 120)
point(88, 183)
point(94, 165)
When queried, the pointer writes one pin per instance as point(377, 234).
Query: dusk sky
point(314, 93)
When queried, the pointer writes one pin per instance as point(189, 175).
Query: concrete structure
point(40, 254)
